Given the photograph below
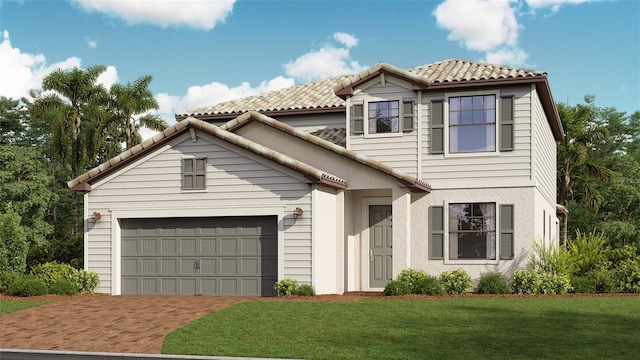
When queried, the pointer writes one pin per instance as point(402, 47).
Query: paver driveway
point(131, 324)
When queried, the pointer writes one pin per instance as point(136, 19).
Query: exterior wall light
point(297, 213)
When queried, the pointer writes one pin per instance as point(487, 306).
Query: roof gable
point(404, 179)
point(311, 174)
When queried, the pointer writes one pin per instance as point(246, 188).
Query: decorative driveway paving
point(102, 323)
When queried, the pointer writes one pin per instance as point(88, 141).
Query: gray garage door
point(194, 256)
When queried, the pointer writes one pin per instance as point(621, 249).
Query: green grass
point(9, 306)
point(432, 328)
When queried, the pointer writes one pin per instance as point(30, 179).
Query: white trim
point(447, 123)
point(85, 215)
point(365, 114)
point(364, 259)
point(144, 213)
point(418, 129)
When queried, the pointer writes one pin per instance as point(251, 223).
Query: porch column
point(401, 209)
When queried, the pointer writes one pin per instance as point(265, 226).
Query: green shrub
point(53, 271)
point(604, 280)
point(63, 287)
point(492, 283)
point(429, 285)
point(455, 282)
point(6, 278)
point(85, 281)
point(525, 282)
point(583, 285)
point(286, 287)
point(397, 288)
point(27, 285)
point(586, 252)
point(552, 259)
point(411, 277)
point(305, 290)
point(539, 282)
point(627, 276)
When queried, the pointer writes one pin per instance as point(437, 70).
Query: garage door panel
point(188, 246)
point(250, 266)
point(213, 256)
point(169, 266)
point(208, 246)
point(169, 246)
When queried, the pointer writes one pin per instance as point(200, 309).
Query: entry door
point(380, 245)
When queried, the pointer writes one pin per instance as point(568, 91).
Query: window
point(194, 174)
point(472, 124)
point(384, 117)
point(472, 231)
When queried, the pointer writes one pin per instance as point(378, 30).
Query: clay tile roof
point(314, 95)
point(322, 94)
point(336, 136)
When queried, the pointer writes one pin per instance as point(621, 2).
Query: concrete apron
point(18, 354)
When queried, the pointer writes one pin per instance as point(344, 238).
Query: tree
point(127, 102)
point(13, 243)
point(26, 188)
point(11, 127)
point(77, 100)
point(579, 169)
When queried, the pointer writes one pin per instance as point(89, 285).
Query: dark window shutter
point(357, 119)
point(437, 127)
point(407, 116)
point(436, 232)
point(194, 174)
point(506, 232)
point(506, 123)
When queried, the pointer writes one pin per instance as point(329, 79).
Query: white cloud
point(347, 39)
point(109, 77)
point(481, 25)
point(21, 72)
point(553, 4)
point(91, 43)
point(507, 55)
point(326, 62)
point(198, 14)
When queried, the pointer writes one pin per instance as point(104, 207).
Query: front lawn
point(428, 328)
point(8, 306)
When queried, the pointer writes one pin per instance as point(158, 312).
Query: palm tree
point(580, 170)
point(128, 101)
point(76, 99)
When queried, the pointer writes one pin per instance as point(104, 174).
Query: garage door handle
point(196, 265)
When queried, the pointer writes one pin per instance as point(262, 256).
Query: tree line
point(70, 125)
point(73, 124)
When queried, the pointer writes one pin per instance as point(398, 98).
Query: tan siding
point(477, 170)
point(397, 151)
point(544, 154)
point(232, 180)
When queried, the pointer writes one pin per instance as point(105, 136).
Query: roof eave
point(271, 113)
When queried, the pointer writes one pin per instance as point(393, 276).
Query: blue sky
point(203, 52)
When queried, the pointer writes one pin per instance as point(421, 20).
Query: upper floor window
point(472, 124)
point(384, 117)
point(194, 174)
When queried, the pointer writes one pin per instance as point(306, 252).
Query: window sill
point(383, 135)
point(488, 154)
point(471, 262)
point(194, 191)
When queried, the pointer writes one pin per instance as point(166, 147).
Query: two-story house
point(339, 183)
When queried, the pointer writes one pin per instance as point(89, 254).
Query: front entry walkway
point(102, 323)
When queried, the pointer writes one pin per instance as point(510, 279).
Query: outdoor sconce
point(297, 213)
point(96, 216)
